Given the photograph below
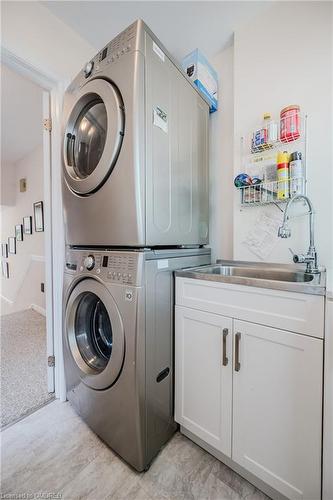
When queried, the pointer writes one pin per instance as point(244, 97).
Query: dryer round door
point(95, 334)
point(93, 136)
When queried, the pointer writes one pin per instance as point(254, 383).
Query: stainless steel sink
point(274, 276)
point(259, 274)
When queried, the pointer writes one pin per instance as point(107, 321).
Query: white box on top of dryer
point(202, 73)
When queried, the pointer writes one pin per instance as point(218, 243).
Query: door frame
point(53, 90)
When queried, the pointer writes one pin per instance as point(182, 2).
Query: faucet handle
point(300, 258)
point(297, 258)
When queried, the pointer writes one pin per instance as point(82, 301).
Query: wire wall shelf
point(259, 161)
point(277, 192)
point(288, 130)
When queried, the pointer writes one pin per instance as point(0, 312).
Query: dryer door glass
point(93, 331)
point(88, 138)
point(93, 135)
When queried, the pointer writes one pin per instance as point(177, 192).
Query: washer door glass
point(93, 135)
point(88, 138)
point(93, 331)
point(95, 334)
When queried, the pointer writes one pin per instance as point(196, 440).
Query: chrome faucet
point(310, 259)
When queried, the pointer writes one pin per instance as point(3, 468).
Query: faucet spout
point(284, 232)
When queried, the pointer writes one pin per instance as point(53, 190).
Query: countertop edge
point(232, 280)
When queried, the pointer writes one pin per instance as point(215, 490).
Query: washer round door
point(93, 136)
point(95, 334)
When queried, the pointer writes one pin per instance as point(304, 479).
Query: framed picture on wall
point(4, 250)
point(5, 269)
point(19, 232)
point(12, 244)
point(27, 224)
point(39, 217)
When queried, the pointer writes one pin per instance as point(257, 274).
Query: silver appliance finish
point(118, 344)
point(135, 150)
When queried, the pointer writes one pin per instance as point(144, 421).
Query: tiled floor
point(53, 451)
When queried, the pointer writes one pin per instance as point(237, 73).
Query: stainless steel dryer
point(118, 344)
point(135, 149)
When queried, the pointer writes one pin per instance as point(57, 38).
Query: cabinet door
point(203, 373)
point(277, 408)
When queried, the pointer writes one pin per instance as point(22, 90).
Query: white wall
point(284, 57)
point(221, 159)
point(7, 183)
point(21, 102)
point(34, 34)
point(26, 267)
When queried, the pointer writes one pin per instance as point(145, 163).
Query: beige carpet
point(23, 372)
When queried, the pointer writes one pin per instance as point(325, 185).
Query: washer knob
point(88, 69)
point(89, 262)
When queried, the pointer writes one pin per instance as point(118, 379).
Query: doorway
point(27, 372)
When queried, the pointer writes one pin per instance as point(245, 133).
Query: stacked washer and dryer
point(135, 193)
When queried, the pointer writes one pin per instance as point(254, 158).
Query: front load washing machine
point(135, 149)
point(118, 344)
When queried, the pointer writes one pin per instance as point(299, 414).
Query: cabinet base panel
point(271, 492)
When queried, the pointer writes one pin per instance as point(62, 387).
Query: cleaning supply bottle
point(271, 128)
point(296, 173)
point(282, 175)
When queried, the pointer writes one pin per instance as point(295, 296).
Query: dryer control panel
point(123, 43)
point(111, 266)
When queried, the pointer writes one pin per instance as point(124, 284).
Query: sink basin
point(259, 274)
point(287, 277)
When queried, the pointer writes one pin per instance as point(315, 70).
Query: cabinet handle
point(224, 354)
point(237, 362)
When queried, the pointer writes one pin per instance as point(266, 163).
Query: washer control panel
point(120, 268)
point(111, 266)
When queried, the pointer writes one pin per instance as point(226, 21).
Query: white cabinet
point(328, 404)
point(296, 312)
point(203, 374)
point(277, 400)
point(263, 408)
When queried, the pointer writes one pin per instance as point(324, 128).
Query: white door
point(277, 408)
point(203, 374)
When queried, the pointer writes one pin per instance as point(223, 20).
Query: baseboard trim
point(37, 258)
point(11, 302)
point(38, 309)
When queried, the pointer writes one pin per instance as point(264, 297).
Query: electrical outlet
point(42, 287)
point(23, 185)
